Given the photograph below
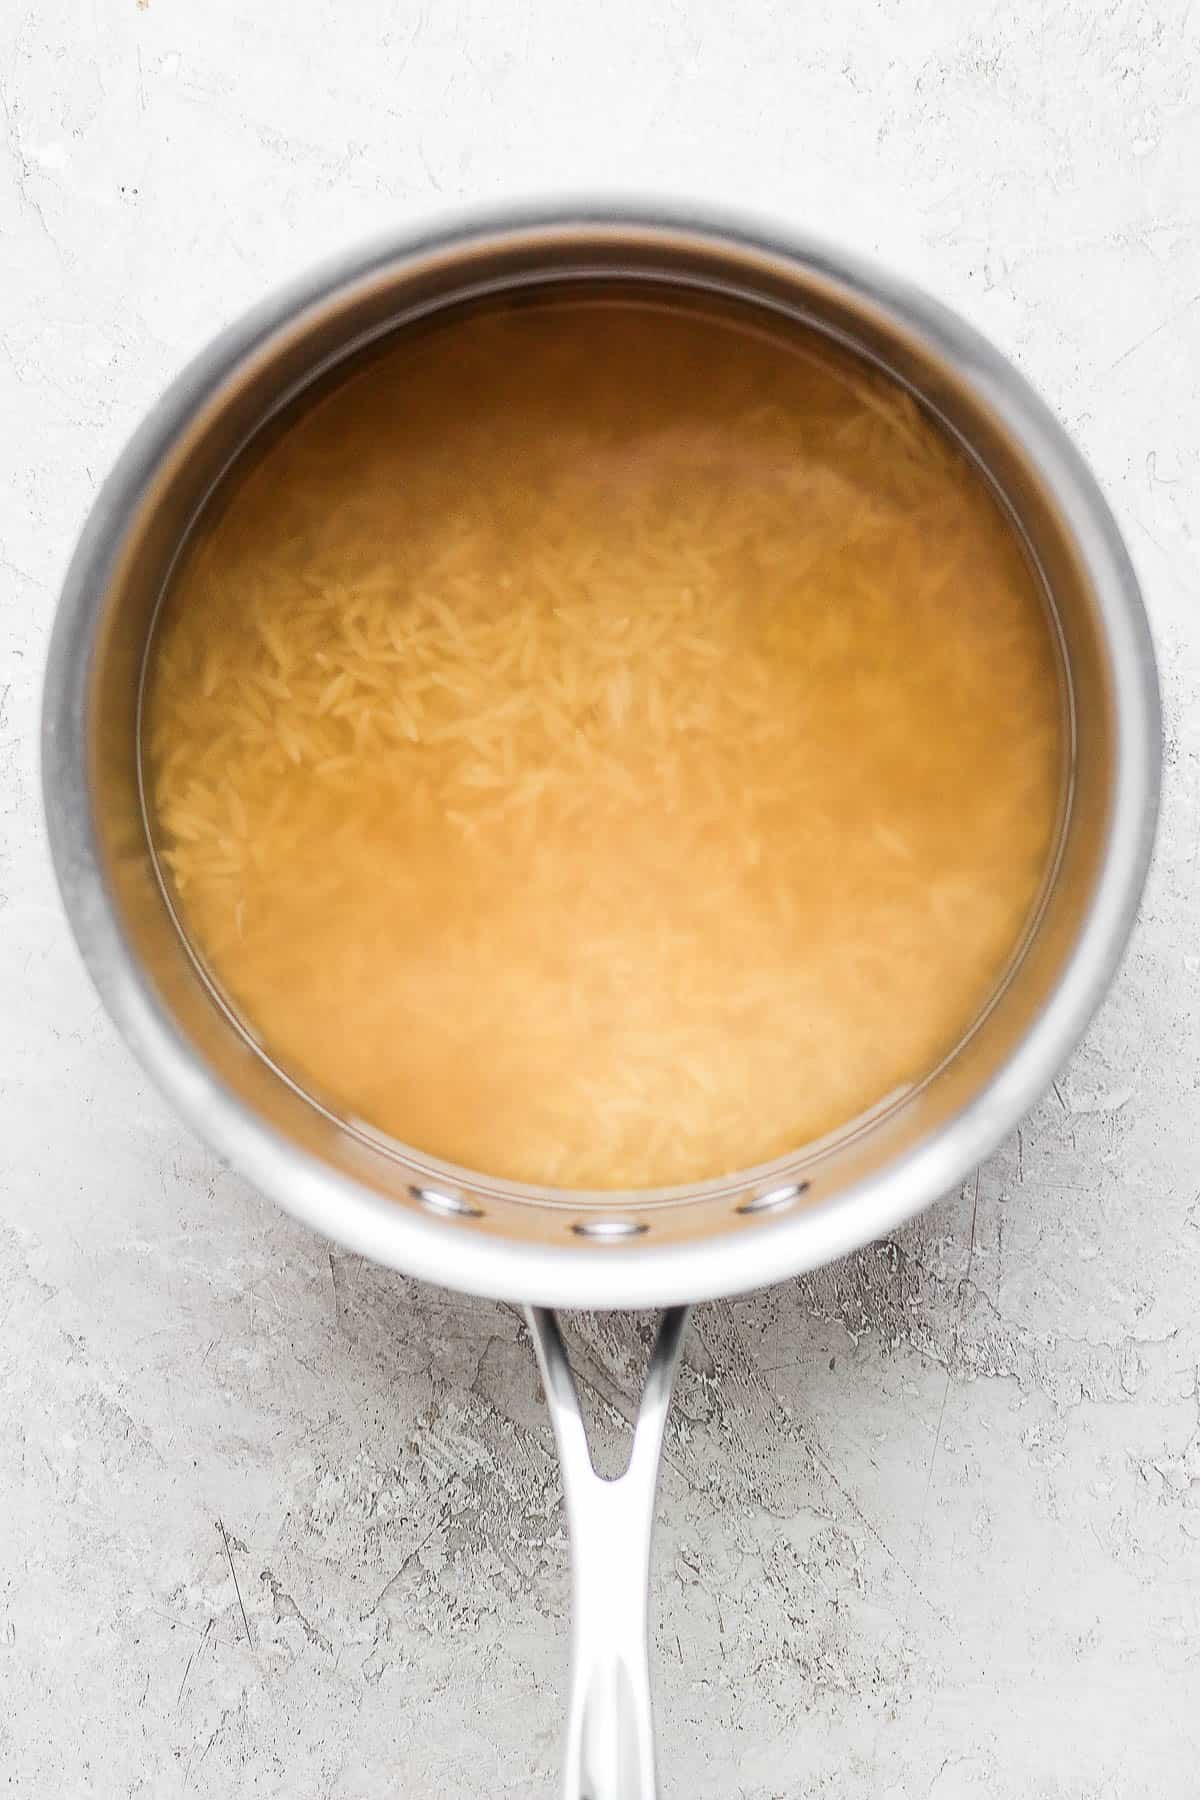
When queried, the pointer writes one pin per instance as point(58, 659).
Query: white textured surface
point(931, 1523)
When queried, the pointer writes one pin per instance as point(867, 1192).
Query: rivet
point(446, 1201)
point(774, 1199)
point(609, 1230)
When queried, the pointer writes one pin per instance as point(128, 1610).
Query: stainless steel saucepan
point(554, 1248)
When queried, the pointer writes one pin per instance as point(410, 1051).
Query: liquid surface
point(606, 747)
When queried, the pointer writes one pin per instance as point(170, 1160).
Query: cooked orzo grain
point(605, 746)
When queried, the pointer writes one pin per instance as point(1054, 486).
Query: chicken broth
point(604, 744)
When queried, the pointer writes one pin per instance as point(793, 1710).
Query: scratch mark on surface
point(1068, 1111)
point(236, 1585)
point(184, 1624)
point(333, 1282)
point(742, 1358)
point(434, 183)
point(963, 1287)
point(965, 1282)
point(408, 1561)
point(852, 1503)
point(937, 1441)
point(1171, 319)
point(188, 1669)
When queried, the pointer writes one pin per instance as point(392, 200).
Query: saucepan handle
point(610, 1726)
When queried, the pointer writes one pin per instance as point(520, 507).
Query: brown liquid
point(606, 746)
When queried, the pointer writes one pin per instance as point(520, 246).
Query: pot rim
point(616, 1273)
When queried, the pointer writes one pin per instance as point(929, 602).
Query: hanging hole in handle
point(774, 1199)
point(609, 1231)
point(448, 1203)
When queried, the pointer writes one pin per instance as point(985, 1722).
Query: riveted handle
point(610, 1726)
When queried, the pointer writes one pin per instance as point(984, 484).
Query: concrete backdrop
point(276, 1523)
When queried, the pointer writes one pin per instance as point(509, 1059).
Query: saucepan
point(552, 1248)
